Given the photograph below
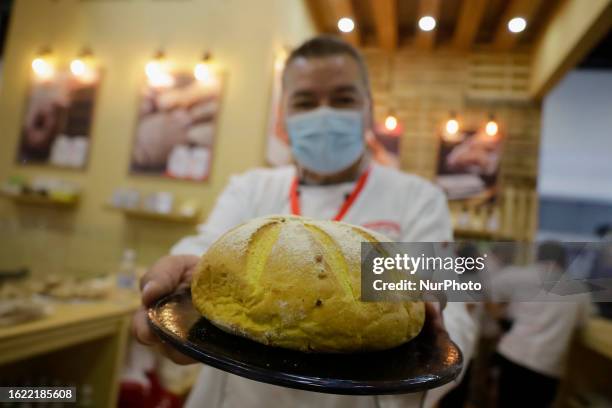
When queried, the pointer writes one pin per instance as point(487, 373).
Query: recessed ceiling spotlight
point(517, 24)
point(427, 23)
point(346, 25)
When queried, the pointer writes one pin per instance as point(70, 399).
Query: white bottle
point(126, 276)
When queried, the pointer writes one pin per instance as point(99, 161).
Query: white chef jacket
point(541, 331)
point(401, 206)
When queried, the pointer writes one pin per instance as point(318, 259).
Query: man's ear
point(280, 127)
point(370, 112)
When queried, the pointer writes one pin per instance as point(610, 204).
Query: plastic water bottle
point(126, 276)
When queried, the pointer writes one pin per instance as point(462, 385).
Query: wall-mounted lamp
point(204, 71)
point(452, 125)
point(451, 129)
point(491, 128)
point(83, 67)
point(158, 72)
point(43, 65)
point(391, 121)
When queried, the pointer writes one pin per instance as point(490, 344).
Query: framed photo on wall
point(176, 127)
point(56, 128)
point(468, 164)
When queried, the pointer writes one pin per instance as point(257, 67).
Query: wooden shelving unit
point(140, 213)
point(462, 233)
point(40, 200)
point(97, 332)
point(597, 336)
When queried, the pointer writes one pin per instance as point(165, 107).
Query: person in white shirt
point(532, 354)
point(327, 108)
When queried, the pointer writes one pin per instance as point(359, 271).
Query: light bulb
point(390, 122)
point(78, 67)
point(203, 72)
point(83, 69)
point(43, 68)
point(491, 128)
point(153, 68)
point(346, 25)
point(158, 74)
point(427, 23)
point(452, 127)
point(517, 24)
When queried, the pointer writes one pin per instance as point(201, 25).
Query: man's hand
point(433, 317)
point(166, 276)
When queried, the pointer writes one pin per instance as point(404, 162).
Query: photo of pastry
point(57, 123)
point(176, 128)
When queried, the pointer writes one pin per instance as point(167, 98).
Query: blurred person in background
point(464, 391)
point(532, 353)
point(327, 110)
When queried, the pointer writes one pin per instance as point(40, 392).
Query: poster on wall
point(56, 129)
point(176, 127)
point(468, 164)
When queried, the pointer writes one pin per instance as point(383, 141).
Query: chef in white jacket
point(327, 108)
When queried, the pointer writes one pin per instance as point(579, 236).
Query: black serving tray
point(427, 361)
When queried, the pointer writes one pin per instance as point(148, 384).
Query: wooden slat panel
point(426, 86)
point(569, 36)
point(470, 17)
point(385, 18)
point(317, 15)
point(504, 39)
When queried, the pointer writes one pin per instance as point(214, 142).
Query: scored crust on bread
point(295, 282)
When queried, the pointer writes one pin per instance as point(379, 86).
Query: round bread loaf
point(295, 282)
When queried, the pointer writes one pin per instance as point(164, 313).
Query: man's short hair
point(553, 251)
point(326, 46)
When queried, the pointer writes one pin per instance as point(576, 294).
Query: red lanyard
point(294, 198)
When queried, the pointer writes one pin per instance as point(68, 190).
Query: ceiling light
point(517, 25)
point(427, 23)
point(346, 25)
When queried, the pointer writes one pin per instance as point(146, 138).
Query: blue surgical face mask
point(326, 140)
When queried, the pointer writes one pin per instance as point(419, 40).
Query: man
point(532, 354)
point(328, 115)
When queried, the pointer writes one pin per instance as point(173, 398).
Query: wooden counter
point(79, 343)
point(597, 336)
point(587, 379)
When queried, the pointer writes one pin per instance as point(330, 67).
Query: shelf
point(597, 335)
point(155, 216)
point(478, 234)
point(40, 200)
